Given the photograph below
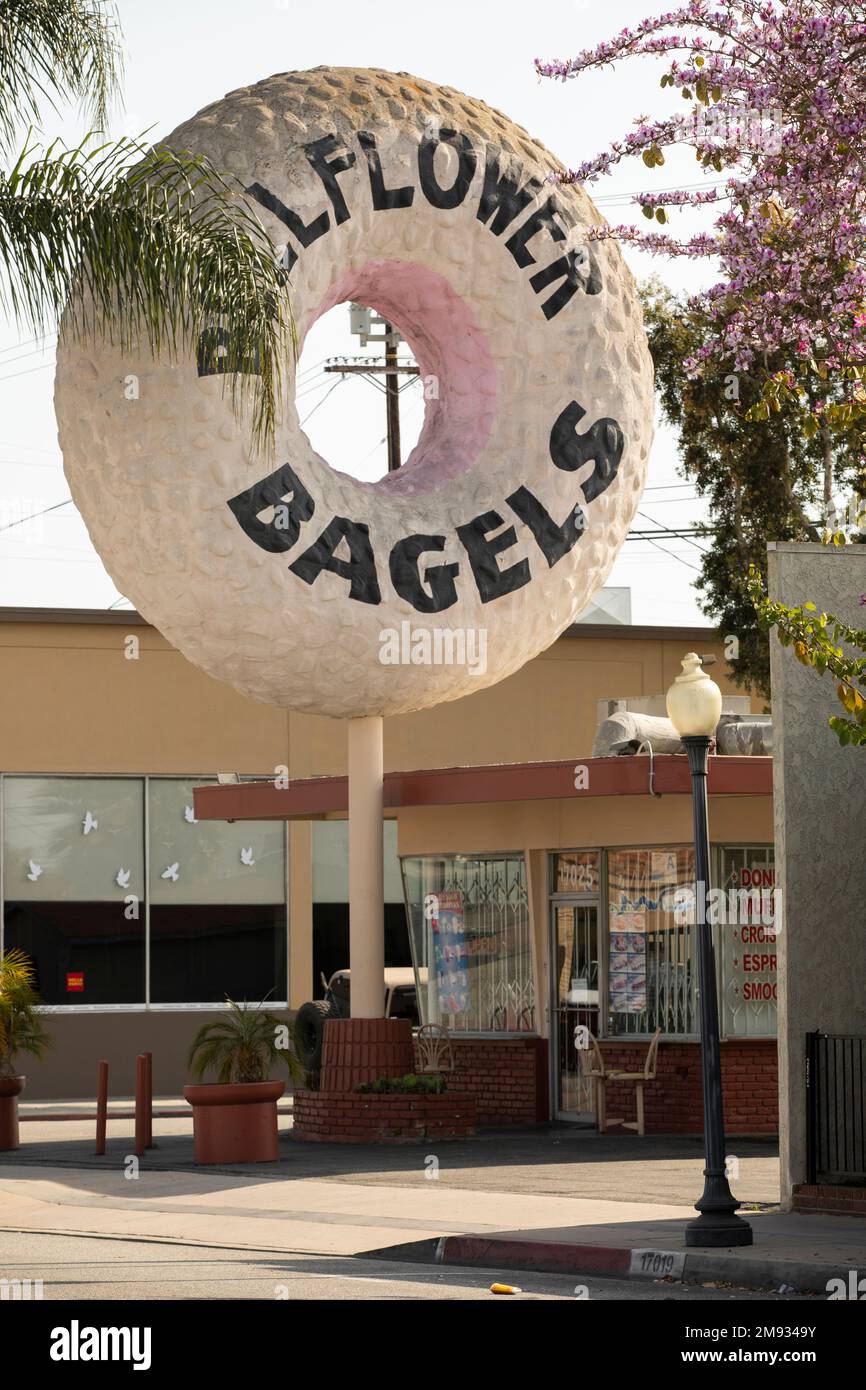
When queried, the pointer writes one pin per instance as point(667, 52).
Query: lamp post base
point(714, 1229)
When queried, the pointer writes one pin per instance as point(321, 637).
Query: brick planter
point(364, 1049)
point(349, 1117)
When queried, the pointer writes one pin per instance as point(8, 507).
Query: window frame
point(523, 854)
point(145, 778)
point(716, 850)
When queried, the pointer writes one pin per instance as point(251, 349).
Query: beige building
point(557, 886)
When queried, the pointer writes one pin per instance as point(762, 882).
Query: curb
point(626, 1262)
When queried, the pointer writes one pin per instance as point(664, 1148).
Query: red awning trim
point(316, 797)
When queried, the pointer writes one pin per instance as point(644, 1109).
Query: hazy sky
point(184, 54)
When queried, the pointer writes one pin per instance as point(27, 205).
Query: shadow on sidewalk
point(548, 1160)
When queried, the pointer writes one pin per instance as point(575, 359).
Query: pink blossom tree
point(776, 114)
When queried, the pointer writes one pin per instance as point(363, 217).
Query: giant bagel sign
point(281, 577)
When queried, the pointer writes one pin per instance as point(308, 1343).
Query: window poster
point(449, 953)
point(627, 967)
point(663, 867)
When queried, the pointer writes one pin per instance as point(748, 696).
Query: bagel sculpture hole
point(457, 387)
point(344, 414)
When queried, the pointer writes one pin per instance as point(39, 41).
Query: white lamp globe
point(694, 701)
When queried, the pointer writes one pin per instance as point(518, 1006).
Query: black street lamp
point(694, 705)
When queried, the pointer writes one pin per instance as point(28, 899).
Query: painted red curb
point(549, 1256)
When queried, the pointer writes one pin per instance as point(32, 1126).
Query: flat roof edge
point(78, 616)
point(130, 616)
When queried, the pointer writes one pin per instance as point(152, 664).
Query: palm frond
point(21, 1027)
point(56, 51)
point(147, 246)
point(241, 1045)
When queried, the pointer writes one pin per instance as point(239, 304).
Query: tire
point(439, 212)
point(310, 1034)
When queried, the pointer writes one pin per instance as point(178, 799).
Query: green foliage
point(815, 640)
point(129, 243)
point(21, 1026)
point(414, 1084)
point(242, 1046)
point(749, 456)
point(62, 50)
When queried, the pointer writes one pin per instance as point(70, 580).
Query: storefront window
point(471, 942)
point(84, 884)
point(331, 899)
point(73, 878)
point(651, 949)
point(217, 903)
point(747, 937)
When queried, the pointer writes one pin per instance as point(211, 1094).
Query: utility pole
point(392, 392)
point(362, 320)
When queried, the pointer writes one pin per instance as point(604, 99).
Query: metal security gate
point(575, 994)
point(835, 1108)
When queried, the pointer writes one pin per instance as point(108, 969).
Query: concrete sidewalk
point(555, 1199)
point(562, 1160)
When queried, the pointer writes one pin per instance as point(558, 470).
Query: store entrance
point(575, 997)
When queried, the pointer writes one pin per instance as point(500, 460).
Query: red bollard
point(140, 1104)
point(148, 1094)
point(101, 1106)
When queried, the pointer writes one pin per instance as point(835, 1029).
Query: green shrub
point(411, 1085)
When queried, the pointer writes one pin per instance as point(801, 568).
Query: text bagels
point(435, 589)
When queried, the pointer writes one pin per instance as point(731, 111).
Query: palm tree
point(21, 1028)
point(164, 247)
point(242, 1045)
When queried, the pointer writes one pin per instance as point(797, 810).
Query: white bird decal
point(247, 857)
point(122, 879)
point(172, 872)
point(35, 871)
point(89, 823)
point(189, 815)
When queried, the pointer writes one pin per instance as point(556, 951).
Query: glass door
point(575, 995)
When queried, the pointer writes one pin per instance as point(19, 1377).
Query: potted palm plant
point(235, 1116)
point(21, 1030)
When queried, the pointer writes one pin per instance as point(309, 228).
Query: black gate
point(835, 1105)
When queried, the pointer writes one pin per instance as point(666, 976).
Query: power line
point(29, 370)
point(681, 534)
point(33, 515)
point(40, 338)
point(338, 382)
point(672, 555)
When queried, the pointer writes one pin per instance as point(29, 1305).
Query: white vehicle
point(400, 1001)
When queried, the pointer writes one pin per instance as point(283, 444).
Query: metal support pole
point(148, 1100)
point(101, 1106)
point(366, 871)
point(392, 395)
point(140, 1104)
point(717, 1225)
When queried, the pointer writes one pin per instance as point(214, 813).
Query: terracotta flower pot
point(235, 1123)
point(10, 1089)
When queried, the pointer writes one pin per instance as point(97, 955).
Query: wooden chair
point(592, 1069)
point(638, 1079)
point(435, 1053)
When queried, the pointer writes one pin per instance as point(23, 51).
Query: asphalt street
point(79, 1268)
